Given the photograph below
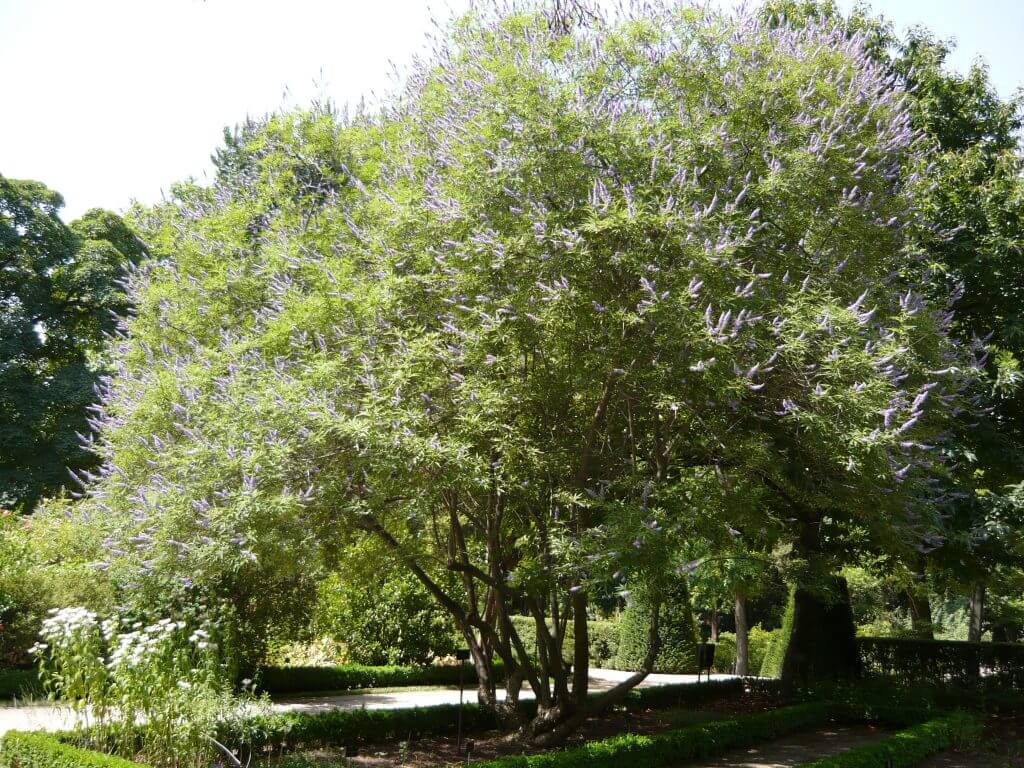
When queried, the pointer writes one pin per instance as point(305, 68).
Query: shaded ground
point(433, 751)
point(1002, 747)
point(798, 749)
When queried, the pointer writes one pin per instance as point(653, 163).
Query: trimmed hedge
point(41, 750)
point(19, 682)
point(684, 694)
point(348, 727)
point(910, 747)
point(666, 749)
point(677, 631)
point(942, 661)
point(346, 677)
point(776, 653)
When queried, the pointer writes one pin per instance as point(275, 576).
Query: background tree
point(58, 288)
point(976, 196)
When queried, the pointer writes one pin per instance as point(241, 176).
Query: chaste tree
point(573, 285)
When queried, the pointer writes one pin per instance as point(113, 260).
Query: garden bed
point(622, 739)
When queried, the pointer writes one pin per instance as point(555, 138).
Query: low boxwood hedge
point(685, 694)
point(41, 750)
point(910, 747)
point(664, 749)
point(348, 727)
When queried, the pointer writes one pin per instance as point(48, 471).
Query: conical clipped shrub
point(776, 653)
point(677, 630)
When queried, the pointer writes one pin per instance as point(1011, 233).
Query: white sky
point(112, 100)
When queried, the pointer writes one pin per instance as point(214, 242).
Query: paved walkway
point(46, 717)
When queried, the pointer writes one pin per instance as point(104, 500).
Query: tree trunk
point(714, 624)
point(977, 612)
point(742, 638)
point(823, 644)
point(920, 612)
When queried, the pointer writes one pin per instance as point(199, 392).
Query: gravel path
point(46, 717)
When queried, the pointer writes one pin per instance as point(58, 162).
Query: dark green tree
point(58, 297)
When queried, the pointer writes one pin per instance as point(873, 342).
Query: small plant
point(159, 690)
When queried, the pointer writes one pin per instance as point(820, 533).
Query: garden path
point(46, 717)
point(798, 748)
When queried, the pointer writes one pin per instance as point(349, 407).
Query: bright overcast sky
point(107, 101)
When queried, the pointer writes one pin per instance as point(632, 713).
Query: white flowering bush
point(160, 691)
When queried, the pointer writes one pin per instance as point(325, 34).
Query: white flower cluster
point(64, 622)
point(137, 647)
point(134, 648)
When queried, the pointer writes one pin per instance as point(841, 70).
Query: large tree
point(58, 290)
point(978, 196)
point(575, 284)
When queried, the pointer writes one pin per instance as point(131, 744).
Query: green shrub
point(694, 742)
point(19, 683)
point(775, 653)
point(677, 630)
point(758, 642)
point(347, 727)
point(40, 750)
point(603, 637)
point(23, 593)
point(943, 661)
point(604, 641)
point(386, 619)
point(910, 747)
point(684, 694)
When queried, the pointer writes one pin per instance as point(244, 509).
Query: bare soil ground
point(436, 751)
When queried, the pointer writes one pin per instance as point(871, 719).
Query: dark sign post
point(463, 656)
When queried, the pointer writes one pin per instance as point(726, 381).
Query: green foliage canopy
point(58, 288)
point(521, 325)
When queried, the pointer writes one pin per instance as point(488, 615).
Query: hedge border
point(21, 749)
point(904, 749)
point(942, 661)
point(675, 747)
